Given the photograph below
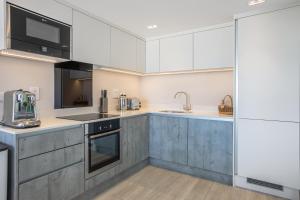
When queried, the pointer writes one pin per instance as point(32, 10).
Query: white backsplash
point(156, 92)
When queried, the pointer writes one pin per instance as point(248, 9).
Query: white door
point(141, 55)
point(214, 48)
point(91, 40)
point(176, 53)
point(152, 56)
point(268, 66)
point(123, 50)
point(269, 151)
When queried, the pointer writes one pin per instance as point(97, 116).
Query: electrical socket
point(115, 93)
point(1, 97)
point(36, 91)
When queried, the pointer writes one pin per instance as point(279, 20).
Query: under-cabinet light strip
point(168, 73)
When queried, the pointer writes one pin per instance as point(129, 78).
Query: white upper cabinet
point(214, 48)
point(176, 53)
point(141, 55)
point(91, 40)
point(123, 50)
point(269, 66)
point(49, 8)
point(152, 56)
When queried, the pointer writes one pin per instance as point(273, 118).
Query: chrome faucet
point(187, 107)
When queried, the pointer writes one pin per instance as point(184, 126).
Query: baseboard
point(287, 193)
point(95, 191)
point(200, 173)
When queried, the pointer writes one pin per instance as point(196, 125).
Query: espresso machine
point(20, 109)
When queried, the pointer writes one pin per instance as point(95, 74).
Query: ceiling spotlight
point(255, 2)
point(152, 26)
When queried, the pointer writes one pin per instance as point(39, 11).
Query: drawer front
point(35, 189)
point(36, 166)
point(64, 184)
point(39, 144)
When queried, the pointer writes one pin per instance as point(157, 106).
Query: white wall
point(19, 73)
point(206, 90)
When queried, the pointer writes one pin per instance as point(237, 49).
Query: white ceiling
point(169, 15)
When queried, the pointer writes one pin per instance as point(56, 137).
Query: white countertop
point(55, 123)
point(195, 115)
point(46, 124)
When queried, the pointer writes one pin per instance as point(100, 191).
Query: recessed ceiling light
point(152, 26)
point(255, 2)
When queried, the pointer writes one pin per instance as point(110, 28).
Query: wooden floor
point(153, 183)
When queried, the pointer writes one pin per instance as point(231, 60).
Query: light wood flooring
point(153, 183)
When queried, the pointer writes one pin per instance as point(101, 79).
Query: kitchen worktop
point(208, 115)
point(55, 123)
point(47, 124)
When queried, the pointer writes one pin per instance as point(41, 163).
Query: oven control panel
point(104, 126)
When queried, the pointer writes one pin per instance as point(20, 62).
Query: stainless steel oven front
point(102, 146)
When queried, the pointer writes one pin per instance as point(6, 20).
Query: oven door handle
point(104, 134)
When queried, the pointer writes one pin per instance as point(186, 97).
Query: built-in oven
point(102, 146)
point(31, 32)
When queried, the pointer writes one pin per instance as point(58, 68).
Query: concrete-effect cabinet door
point(64, 184)
point(210, 145)
point(168, 139)
point(135, 141)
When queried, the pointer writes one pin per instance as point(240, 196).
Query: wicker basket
point(224, 108)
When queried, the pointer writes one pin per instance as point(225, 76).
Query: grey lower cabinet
point(198, 147)
point(211, 145)
point(134, 141)
point(168, 138)
point(51, 165)
point(63, 184)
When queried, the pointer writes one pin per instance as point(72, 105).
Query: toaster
point(20, 109)
point(133, 104)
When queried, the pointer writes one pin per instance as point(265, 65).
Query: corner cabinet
point(91, 40)
point(168, 139)
point(176, 53)
point(152, 56)
point(140, 55)
point(202, 148)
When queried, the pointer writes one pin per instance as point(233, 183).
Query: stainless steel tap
point(187, 107)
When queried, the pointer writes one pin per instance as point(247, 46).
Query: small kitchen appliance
point(122, 104)
point(35, 35)
point(103, 102)
point(133, 104)
point(20, 109)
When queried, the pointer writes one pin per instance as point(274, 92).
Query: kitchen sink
point(174, 111)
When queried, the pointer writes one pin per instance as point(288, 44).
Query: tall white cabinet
point(268, 72)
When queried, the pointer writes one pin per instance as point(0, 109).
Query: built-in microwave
point(31, 32)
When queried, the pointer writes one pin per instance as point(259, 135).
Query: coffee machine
point(20, 109)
